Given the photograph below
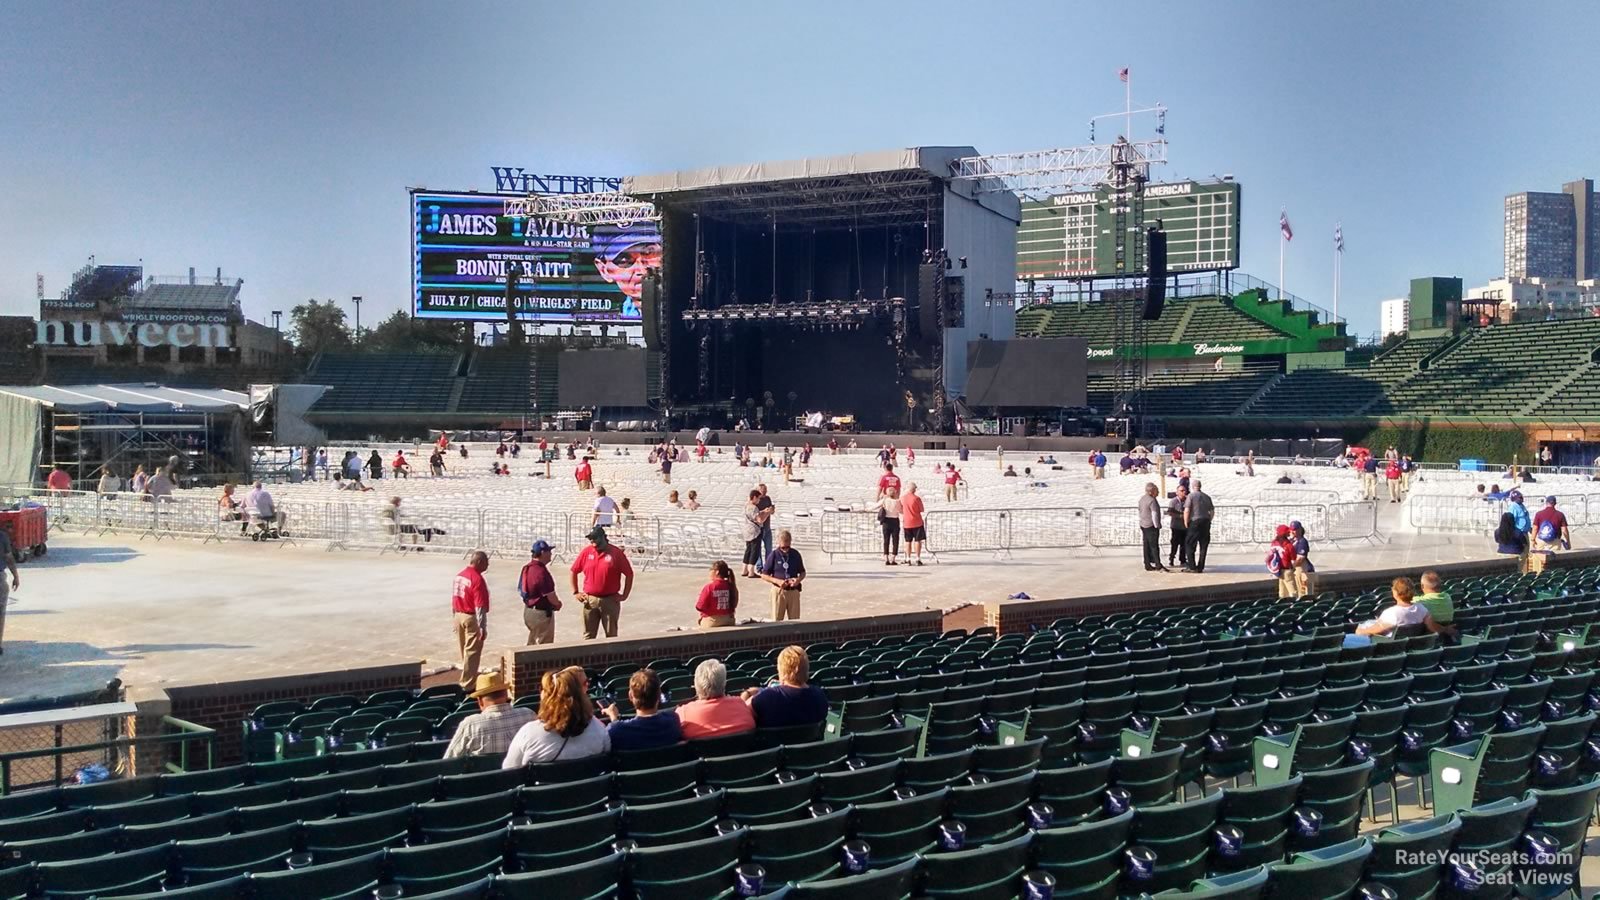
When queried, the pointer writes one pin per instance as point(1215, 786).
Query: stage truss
point(1036, 173)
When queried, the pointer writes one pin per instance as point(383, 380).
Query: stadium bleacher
point(1071, 751)
point(497, 382)
point(1208, 319)
point(1496, 372)
point(385, 382)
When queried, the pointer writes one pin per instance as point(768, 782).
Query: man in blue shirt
point(649, 728)
point(792, 701)
point(784, 570)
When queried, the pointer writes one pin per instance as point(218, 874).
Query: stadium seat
point(1075, 793)
point(1248, 884)
point(566, 842)
point(992, 811)
point(344, 880)
point(800, 851)
point(673, 822)
point(1394, 851)
point(695, 870)
point(887, 883)
point(450, 864)
point(554, 802)
point(1180, 835)
point(657, 785)
point(1336, 795)
point(382, 799)
point(898, 830)
point(780, 802)
point(132, 872)
point(1088, 856)
point(1332, 871)
point(1262, 815)
point(220, 858)
point(862, 785)
point(1489, 768)
point(449, 820)
point(992, 872)
point(1564, 814)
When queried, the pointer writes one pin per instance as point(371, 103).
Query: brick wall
point(223, 705)
point(525, 665)
point(1019, 615)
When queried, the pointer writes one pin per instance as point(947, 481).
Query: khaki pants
point(1306, 581)
point(585, 485)
point(1369, 486)
point(469, 641)
point(1288, 585)
point(601, 611)
point(716, 621)
point(1394, 489)
point(785, 604)
point(950, 492)
point(541, 625)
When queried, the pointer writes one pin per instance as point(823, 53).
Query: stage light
point(963, 262)
point(948, 264)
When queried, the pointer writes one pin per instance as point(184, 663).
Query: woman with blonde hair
point(565, 729)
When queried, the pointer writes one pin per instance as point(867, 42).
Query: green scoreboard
point(1070, 236)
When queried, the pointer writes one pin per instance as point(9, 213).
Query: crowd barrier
point(1436, 512)
point(657, 540)
point(853, 532)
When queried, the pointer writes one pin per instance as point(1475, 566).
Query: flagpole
point(1338, 257)
point(1280, 264)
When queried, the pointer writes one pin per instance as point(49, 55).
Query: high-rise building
point(1395, 316)
point(1553, 235)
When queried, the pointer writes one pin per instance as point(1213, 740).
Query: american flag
point(1338, 238)
point(1122, 73)
point(1283, 226)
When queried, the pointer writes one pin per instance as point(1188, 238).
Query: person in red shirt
point(59, 480)
point(951, 479)
point(585, 475)
point(912, 524)
point(1550, 531)
point(719, 598)
point(400, 465)
point(1392, 473)
point(888, 480)
point(607, 581)
point(469, 600)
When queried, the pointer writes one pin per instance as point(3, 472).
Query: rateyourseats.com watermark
point(1503, 867)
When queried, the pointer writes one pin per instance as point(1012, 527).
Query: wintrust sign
point(77, 333)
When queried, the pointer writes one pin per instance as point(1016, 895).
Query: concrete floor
point(176, 612)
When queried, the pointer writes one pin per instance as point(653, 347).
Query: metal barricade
point(1451, 513)
point(964, 530)
point(1115, 526)
point(1312, 516)
point(1355, 520)
point(1046, 528)
point(850, 532)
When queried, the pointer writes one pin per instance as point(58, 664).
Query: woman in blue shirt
point(648, 728)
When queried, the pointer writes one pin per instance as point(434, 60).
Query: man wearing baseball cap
point(1550, 531)
point(622, 255)
point(538, 590)
point(490, 730)
point(607, 580)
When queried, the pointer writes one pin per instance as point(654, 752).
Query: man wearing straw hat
point(489, 732)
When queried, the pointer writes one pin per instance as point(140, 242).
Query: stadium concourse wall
point(223, 705)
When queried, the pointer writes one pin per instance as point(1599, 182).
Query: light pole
point(357, 302)
point(277, 320)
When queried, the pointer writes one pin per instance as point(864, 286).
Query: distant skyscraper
point(1396, 316)
point(1553, 235)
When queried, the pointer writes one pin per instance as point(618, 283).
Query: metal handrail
point(187, 731)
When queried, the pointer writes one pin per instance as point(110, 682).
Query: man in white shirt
point(262, 509)
point(605, 510)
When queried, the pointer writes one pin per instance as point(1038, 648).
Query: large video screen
point(463, 247)
point(1032, 372)
point(601, 378)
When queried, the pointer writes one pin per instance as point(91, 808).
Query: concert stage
point(852, 282)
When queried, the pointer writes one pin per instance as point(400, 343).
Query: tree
point(316, 326)
point(404, 333)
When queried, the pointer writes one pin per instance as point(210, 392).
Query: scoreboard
point(1069, 236)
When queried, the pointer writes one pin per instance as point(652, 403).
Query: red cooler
point(26, 528)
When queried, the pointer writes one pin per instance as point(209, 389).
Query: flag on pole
point(1283, 226)
point(1122, 73)
point(1338, 238)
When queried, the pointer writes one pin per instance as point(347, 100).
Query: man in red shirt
point(469, 600)
point(951, 479)
point(585, 475)
point(607, 581)
point(912, 523)
point(888, 480)
point(1550, 531)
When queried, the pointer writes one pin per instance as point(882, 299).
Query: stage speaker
point(1155, 288)
point(955, 301)
point(928, 298)
point(650, 311)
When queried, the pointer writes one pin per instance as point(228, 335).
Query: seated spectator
point(1441, 609)
point(489, 731)
point(673, 501)
point(230, 509)
point(566, 727)
point(792, 701)
point(263, 511)
point(693, 502)
point(1010, 472)
point(1403, 612)
point(713, 712)
point(650, 727)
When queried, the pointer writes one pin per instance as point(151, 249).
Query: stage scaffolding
point(213, 446)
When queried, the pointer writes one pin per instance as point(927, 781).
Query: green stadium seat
point(347, 879)
point(1088, 857)
point(800, 851)
point(1262, 815)
point(992, 872)
point(591, 880)
point(780, 802)
point(992, 811)
point(333, 839)
point(220, 858)
point(450, 864)
point(898, 830)
point(1332, 871)
point(567, 842)
point(695, 870)
point(1394, 851)
point(673, 822)
point(894, 882)
point(120, 873)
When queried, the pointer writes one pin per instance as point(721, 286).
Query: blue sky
point(277, 140)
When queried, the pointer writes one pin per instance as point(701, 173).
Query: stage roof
point(135, 397)
point(876, 188)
